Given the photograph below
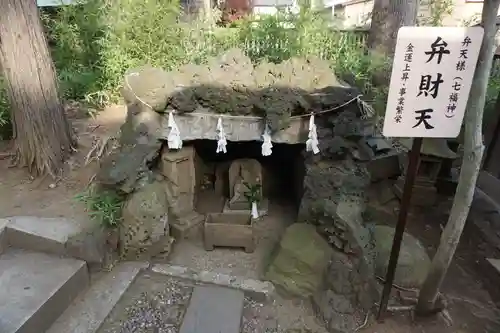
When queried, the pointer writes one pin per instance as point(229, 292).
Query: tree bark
point(387, 17)
point(473, 151)
point(42, 134)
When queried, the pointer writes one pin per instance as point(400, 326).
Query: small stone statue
point(244, 174)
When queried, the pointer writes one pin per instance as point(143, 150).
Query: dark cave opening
point(282, 172)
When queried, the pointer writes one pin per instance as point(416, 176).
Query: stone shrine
point(248, 100)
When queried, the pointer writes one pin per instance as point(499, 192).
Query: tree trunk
point(387, 17)
point(473, 151)
point(42, 134)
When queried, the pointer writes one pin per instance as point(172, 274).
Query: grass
point(104, 207)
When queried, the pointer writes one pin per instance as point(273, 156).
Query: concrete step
point(213, 310)
point(36, 288)
point(90, 309)
point(59, 236)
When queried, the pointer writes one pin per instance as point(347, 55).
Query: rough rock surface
point(139, 146)
point(144, 227)
point(300, 261)
point(413, 262)
point(231, 84)
point(334, 201)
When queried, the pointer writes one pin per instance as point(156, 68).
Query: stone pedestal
point(245, 208)
point(177, 166)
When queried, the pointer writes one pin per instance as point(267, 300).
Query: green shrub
point(105, 207)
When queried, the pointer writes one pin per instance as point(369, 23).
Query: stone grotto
point(227, 134)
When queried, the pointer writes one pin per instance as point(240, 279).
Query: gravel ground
point(281, 316)
point(258, 317)
point(152, 304)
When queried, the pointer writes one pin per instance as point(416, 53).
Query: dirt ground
point(470, 306)
point(21, 194)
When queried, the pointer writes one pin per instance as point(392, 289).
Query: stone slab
point(42, 234)
point(213, 310)
point(202, 125)
point(263, 208)
point(90, 309)
point(36, 288)
point(260, 290)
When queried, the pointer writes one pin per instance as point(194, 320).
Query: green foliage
point(5, 124)
point(253, 193)
point(105, 207)
point(438, 10)
point(95, 42)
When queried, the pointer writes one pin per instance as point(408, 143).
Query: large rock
point(413, 263)
point(139, 145)
point(145, 222)
point(300, 261)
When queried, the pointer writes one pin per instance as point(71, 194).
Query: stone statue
point(243, 172)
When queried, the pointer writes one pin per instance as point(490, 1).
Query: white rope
point(221, 138)
point(174, 136)
point(267, 145)
point(312, 142)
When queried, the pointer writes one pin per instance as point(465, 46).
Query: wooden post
point(411, 173)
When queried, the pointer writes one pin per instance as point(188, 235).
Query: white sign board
point(430, 82)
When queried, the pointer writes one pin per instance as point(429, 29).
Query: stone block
point(213, 310)
point(37, 288)
point(88, 245)
point(413, 262)
point(89, 310)
point(186, 226)
point(177, 166)
point(300, 261)
point(384, 166)
point(47, 235)
point(261, 291)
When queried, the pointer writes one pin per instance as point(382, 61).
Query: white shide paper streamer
point(221, 137)
point(255, 211)
point(267, 145)
point(312, 142)
point(174, 137)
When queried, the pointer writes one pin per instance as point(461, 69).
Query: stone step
point(36, 288)
point(59, 236)
point(90, 309)
point(213, 310)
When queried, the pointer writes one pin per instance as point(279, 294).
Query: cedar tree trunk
point(42, 134)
